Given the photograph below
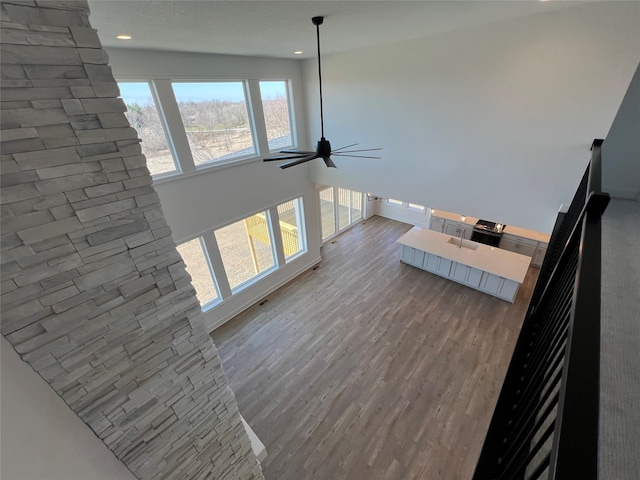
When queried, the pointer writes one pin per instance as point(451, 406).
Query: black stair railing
point(560, 234)
point(545, 424)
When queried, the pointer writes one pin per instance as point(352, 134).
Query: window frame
point(250, 123)
point(300, 225)
point(290, 111)
point(174, 130)
point(163, 122)
point(274, 252)
point(207, 257)
point(337, 230)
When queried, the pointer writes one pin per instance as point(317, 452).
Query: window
point(394, 202)
point(216, 120)
point(327, 213)
point(246, 248)
point(415, 206)
point(339, 207)
point(291, 227)
point(344, 212)
point(143, 116)
point(199, 268)
point(356, 206)
point(275, 105)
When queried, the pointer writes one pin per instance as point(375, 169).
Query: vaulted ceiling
point(277, 28)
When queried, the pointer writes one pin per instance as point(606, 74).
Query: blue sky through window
point(199, 92)
point(139, 92)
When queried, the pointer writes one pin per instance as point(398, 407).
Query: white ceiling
point(277, 28)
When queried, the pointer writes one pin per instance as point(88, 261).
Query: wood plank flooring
point(367, 368)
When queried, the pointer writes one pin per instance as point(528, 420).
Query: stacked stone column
point(95, 296)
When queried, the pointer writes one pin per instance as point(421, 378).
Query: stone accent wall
point(95, 296)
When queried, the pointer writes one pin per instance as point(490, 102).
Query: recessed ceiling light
point(298, 52)
point(124, 37)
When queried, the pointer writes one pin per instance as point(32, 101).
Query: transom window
point(185, 126)
point(143, 115)
point(277, 118)
point(216, 120)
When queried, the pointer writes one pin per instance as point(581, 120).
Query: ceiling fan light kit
point(323, 147)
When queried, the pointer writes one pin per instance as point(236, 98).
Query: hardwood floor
point(367, 368)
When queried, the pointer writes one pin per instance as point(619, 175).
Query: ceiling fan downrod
point(317, 21)
point(323, 147)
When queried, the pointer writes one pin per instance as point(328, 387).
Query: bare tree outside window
point(275, 105)
point(143, 115)
point(215, 119)
point(197, 265)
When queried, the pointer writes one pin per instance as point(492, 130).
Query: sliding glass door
point(339, 209)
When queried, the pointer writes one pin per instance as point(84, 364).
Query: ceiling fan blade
point(361, 150)
point(297, 151)
point(328, 162)
point(286, 157)
point(342, 148)
point(355, 156)
point(299, 161)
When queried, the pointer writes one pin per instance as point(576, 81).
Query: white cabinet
point(458, 229)
point(508, 289)
point(514, 239)
point(464, 274)
point(444, 267)
point(490, 283)
point(491, 270)
point(437, 224)
point(498, 286)
point(413, 256)
point(431, 263)
point(450, 227)
point(538, 256)
point(461, 273)
point(523, 246)
point(407, 254)
point(427, 261)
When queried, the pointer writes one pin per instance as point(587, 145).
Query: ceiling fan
point(323, 148)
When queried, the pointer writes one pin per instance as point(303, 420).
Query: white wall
point(220, 195)
point(621, 149)
point(42, 439)
point(494, 121)
point(210, 198)
point(402, 213)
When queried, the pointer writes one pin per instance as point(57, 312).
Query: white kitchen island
point(489, 269)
